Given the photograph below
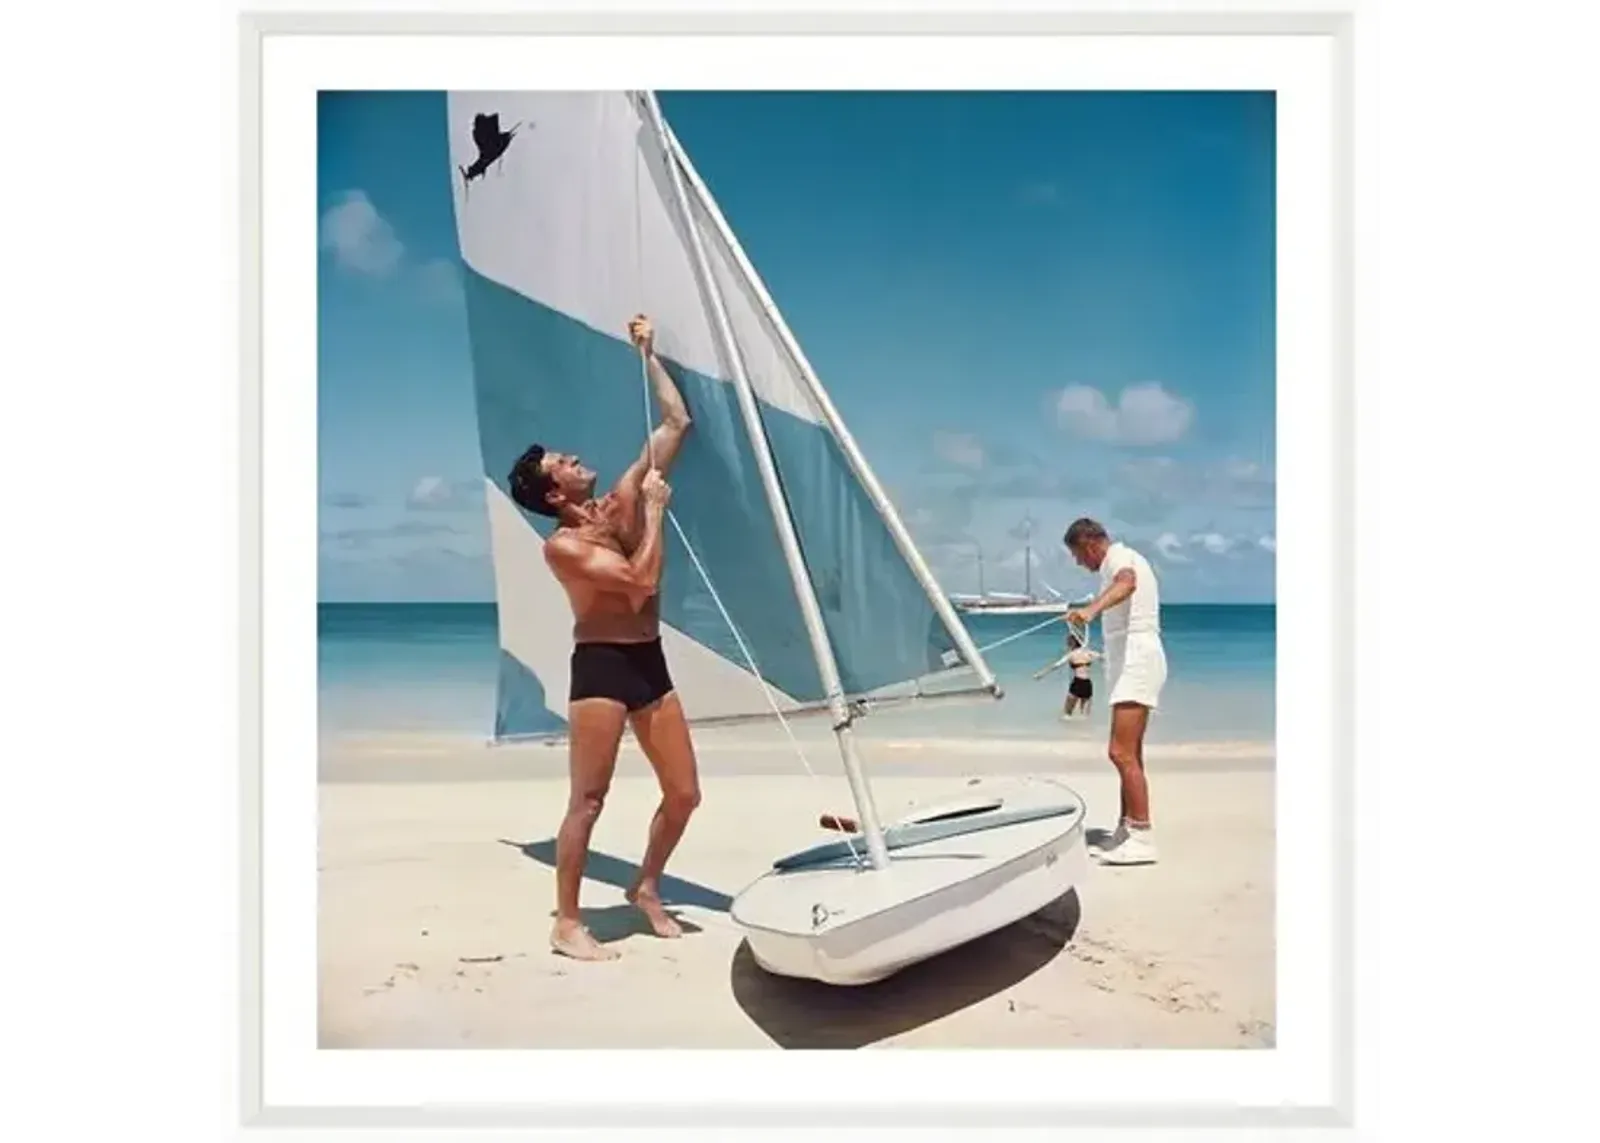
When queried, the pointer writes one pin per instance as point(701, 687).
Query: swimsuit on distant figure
point(1081, 689)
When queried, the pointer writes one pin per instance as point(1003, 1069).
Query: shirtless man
point(1136, 668)
point(607, 555)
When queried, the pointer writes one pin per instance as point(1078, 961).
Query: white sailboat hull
point(1020, 847)
point(1040, 608)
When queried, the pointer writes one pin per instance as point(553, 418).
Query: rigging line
point(1018, 635)
point(738, 638)
point(705, 577)
point(638, 249)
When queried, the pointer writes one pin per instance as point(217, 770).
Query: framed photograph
point(772, 532)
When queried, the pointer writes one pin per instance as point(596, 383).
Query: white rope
point(705, 577)
point(1036, 627)
point(638, 247)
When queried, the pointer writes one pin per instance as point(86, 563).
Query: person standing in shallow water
point(607, 555)
point(1129, 605)
point(1081, 689)
point(1080, 692)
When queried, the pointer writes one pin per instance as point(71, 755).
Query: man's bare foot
point(650, 905)
point(570, 938)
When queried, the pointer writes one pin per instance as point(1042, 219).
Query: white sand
point(437, 884)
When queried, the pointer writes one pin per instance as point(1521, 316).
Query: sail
point(567, 226)
point(881, 623)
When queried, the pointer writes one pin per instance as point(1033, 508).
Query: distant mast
point(1027, 557)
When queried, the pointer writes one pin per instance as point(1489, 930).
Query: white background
point(1299, 69)
point(1475, 366)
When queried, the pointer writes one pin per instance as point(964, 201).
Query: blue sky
point(1025, 305)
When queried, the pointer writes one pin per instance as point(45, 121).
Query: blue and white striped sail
point(567, 227)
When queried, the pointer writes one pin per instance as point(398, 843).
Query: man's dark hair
point(530, 484)
point(1083, 529)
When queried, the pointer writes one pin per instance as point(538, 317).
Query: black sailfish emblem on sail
point(491, 142)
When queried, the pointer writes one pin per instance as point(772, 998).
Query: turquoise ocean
point(387, 668)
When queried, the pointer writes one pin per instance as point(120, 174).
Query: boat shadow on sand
point(809, 1014)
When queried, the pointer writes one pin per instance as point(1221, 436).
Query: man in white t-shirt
point(1129, 607)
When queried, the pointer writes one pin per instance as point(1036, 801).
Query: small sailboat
point(1011, 603)
point(793, 586)
point(1025, 602)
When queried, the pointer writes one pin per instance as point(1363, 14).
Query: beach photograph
point(721, 572)
point(796, 569)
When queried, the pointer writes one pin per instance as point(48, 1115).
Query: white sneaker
point(1109, 840)
point(1135, 847)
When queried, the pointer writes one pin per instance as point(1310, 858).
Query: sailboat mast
point(805, 592)
point(847, 445)
point(1027, 558)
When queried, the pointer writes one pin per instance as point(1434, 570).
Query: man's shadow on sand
point(618, 922)
point(808, 1014)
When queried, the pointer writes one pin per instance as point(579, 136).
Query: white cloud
point(1214, 542)
point(1149, 487)
point(1021, 558)
point(1171, 548)
point(361, 239)
point(1268, 543)
point(1143, 415)
point(1242, 484)
point(960, 449)
point(430, 492)
point(1156, 477)
point(435, 493)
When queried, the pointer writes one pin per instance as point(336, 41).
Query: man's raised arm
point(639, 576)
point(667, 437)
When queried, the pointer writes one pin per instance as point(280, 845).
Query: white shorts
point(1136, 666)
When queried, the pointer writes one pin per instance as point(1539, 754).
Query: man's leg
point(595, 730)
point(1128, 720)
point(1131, 845)
point(663, 733)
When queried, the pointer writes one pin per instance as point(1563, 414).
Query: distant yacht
point(1009, 603)
point(1025, 602)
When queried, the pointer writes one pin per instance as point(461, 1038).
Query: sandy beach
point(436, 884)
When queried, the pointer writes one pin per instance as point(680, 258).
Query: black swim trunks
point(1081, 688)
point(634, 674)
